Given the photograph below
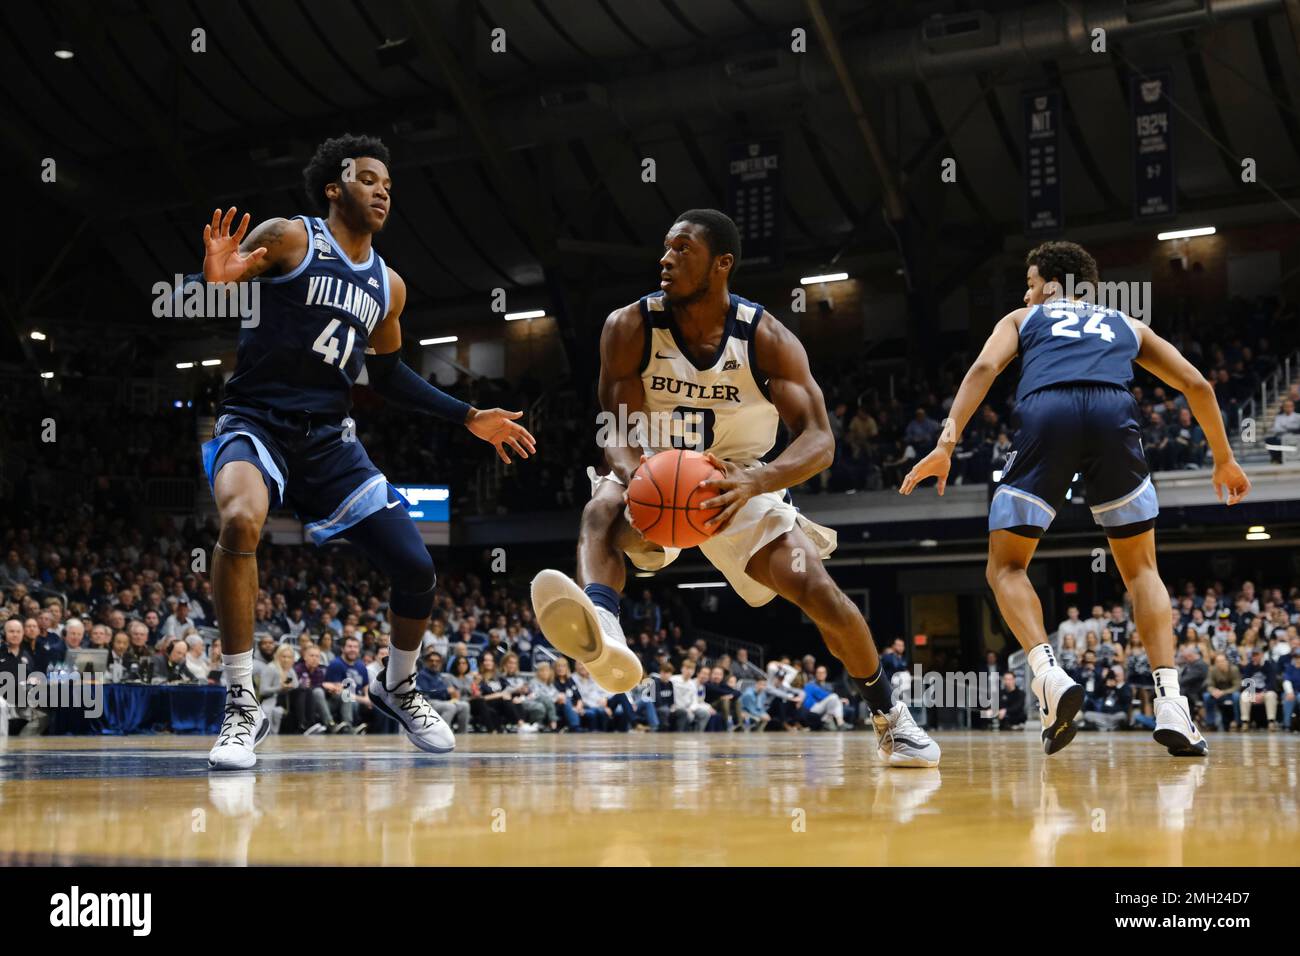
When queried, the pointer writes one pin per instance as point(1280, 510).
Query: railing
point(491, 473)
point(729, 645)
point(1271, 389)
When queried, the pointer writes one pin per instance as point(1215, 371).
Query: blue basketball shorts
point(310, 465)
point(1064, 430)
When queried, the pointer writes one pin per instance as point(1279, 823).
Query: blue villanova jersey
point(306, 343)
point(1074, 341)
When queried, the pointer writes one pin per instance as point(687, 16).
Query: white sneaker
point(579, 629)
point(243, 727)
point(900, 743)
point(316, 728)
point(412, 710)
point(1059, 700)
point(527, 728)
point(1175, 729)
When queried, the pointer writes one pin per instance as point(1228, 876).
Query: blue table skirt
point(146, 708)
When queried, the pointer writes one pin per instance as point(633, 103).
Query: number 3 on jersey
point(1065, 326)
point(696, 431)
point(327, 344)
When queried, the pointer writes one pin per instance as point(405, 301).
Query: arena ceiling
point(522, 169)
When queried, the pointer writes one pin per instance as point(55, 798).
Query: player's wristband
point(397, 382)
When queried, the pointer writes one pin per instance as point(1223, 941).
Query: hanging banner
point(1154, 195)
point(754, 199)
point(1043, 216)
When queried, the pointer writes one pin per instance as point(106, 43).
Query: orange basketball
point(664, 498)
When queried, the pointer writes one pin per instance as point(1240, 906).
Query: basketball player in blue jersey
point(1076, 415)
point(723, 373)
point(329, 306)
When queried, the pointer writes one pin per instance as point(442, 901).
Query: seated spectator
point(753, 706)
point(196, 658)
point(308, 703)
point(1137, 668)
point(347, 686)
point(688, 711)
point(1286, 432)
point(1290, 683)
point(663, 693)
point(1108, 708)
point(1192, 674)
point(724, 698)
point(276, 683)
point(1222, 694)
point(568, 700)
point(1187, 443)
point(821, 701)
point(493, 709)
point(118, 653)
point(518, 689)
point(539, 705)
point(169, 666)
point(1261, 674)
point(436, 685)
point(1011, 703)
point(744, 669)
point(597, 713)
point(1069, 655)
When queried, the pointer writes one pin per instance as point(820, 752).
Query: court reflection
point(651, 800)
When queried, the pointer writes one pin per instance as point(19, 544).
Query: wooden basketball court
point(653, 799)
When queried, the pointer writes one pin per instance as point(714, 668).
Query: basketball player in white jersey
point(725, 372)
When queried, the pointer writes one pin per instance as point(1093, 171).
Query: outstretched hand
point(497, 427)
point(1229, 475)
point(222, 260)
point(933, 465)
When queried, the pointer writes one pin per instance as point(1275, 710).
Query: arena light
point(1186, 233)
point(828, 277)
point(1257, 536)
point(47, 375)
point(702, 584)
point(534, 314)
point(184, 364)
point(644, 574)
point(211, 362)
point(63, 53)
point(440, 340)
point(1255, 529)
point(38, 336)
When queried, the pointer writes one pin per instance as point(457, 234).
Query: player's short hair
point(719, 232)
point(326, 165)
point(1056, 260)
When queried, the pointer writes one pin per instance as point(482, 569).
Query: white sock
point(1166, 682)
point(1041, 659)
point(239, 670)
point(401, 665)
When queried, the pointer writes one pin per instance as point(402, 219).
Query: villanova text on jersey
point(307, 350)
point(1075, 341)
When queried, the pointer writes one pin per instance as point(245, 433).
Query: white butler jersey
point(720, 406)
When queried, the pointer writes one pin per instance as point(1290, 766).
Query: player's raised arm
point(1000, 348)
point(230, 257)
point(799, 402)
point(1166, 363)
point(619, 389)
point(399, 384)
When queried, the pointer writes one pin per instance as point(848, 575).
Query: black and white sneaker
point(900, 743)
point(243, 726)
point(412, 710)
point(1059, 701)
point(1176, 729)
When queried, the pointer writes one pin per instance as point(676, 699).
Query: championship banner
point(1154, 194)
point(1043, 216)
point(754, 199)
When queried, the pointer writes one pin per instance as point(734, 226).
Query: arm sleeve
point(397, 382)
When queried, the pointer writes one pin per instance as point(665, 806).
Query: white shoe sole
point(898, 760)
point(568, 619)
